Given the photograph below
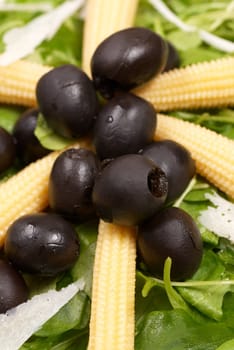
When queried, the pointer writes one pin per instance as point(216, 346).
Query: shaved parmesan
point(19, 323)
point(22, 41)
point(219, 219)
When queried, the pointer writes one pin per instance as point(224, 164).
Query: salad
point(195, 314)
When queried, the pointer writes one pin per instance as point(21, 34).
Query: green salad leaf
point(48, 138)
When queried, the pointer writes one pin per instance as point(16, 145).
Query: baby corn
point(202, 85)
point(18, 82)
point(26, 192)
point(101, 21)
point(213, 153)
point(112, 311)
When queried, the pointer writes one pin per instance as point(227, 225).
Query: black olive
point(124, 125)
point(129, 189)
point(13, 290)
point(126, 59)
point(176, 162)
point(29, 148)
point(7, 150)
point(71, 184)
point(68, 101)
point(173, 59)
point(170, 233)
point(43, 244)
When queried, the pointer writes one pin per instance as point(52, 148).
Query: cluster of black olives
point(129, 180)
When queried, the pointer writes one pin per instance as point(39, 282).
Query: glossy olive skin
point(43, 244)
point(7, 149)
point(13, 290)
point(126, 59)
point(170, 233)
point(129, 189)
point(124, 125)
point(71, 184)
point(173, 59)
point(29, 148)
point(176, 162)
point(68, 101)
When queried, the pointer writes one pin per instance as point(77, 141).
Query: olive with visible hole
point(13, 290)
point(7, 149)
point(28, 148)
point(176, 162)
point(44, 244)
point(71, 183)
point(68, 101)
point(173, 59)
point(127, 59)
point(170, 233)
point(129, 189)
point(124, 125)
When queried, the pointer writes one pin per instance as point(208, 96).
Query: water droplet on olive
point(126, 59)
point(68, 101)
point(125, 190)
point(172, 233)
point(44, 244)
point(124, 125)
point(13, 290)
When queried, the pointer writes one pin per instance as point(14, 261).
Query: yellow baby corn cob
point(202, 85)
point(101, 21)
point(213, 153)
point(18, 82)
point(27, 191)
point(112, 311)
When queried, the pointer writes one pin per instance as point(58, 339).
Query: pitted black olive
point(71, 184)
point(129, 189)
point(126, 59)
point(176, 162)
point(7, 150)
point(67, 100)
point(170, 233)
point(124, 125)
point(28, 148)
point(13, 290)
point(43, 244)
point(173, 59)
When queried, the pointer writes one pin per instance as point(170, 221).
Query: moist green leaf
point(207, 299)
point(84, 266)
point(9, 116)
point(228, 345)
point(48, 138)
point(184, 41)
point(75, 314)
point(178, 331)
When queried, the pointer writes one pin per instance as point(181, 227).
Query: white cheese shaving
point(219, 219)
point(22, 41)
point(18, 324)
point(211, 39)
